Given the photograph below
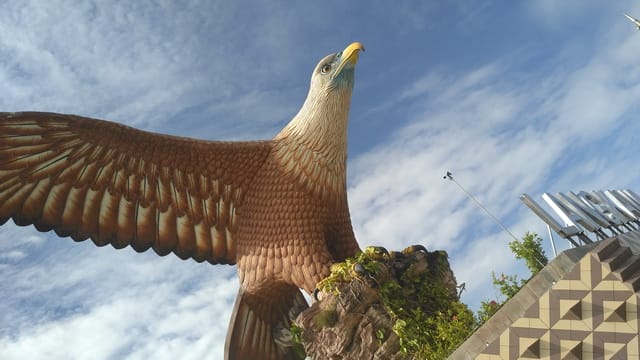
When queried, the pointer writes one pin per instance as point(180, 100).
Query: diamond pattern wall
point(590, 313)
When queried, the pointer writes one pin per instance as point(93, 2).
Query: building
point(582, 305)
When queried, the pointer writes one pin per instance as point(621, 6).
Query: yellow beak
point(349, 56)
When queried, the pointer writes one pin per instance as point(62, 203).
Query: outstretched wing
point(88, 178)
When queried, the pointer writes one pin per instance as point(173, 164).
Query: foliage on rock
point(400, 305)
point(411, 296)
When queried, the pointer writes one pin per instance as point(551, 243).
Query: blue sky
point(512, 97)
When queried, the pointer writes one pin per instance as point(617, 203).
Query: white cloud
point(113, 304)
point(141, 63)
point(13, 255)
point(135, 322)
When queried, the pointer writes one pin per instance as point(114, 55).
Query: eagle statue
point(276, 208)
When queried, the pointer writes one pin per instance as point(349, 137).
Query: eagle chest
point(282, 227)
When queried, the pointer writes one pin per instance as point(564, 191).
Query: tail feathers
point(253, 321)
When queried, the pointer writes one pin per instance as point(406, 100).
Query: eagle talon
point(316, 295)
point(377, 252)
point(414, 248)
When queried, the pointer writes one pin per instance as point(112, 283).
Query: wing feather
point(89, 178)
point(17, 198)
point(108, 217)
point(90, 211)
point(71, 221)
point(218, 244)
point(53, 207)
point(167, 232)
point(146, 218)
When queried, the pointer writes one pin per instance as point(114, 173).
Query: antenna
point(449, 176)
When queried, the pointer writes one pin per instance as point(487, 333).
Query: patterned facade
point(582, 306)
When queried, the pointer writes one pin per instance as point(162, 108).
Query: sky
point(511, 97)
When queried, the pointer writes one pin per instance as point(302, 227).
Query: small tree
point(528, 249)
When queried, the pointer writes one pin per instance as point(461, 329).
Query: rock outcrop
point(378, 305)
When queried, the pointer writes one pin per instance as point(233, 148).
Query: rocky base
point(366, 297)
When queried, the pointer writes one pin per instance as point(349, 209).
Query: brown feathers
point(89, 178)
